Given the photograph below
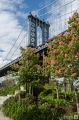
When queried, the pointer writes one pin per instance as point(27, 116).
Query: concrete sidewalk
point(2, 117)
point(2, 99)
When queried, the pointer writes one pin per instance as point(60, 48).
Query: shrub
point(8, 90)
point(69, 117)
point(37, 88)
point(8, 106)
point(23, 94)
point(21, 110)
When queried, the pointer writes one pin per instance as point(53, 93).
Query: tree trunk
point(19, 97)
point(71, 86)
point(77, 101)
point(57, 90)
point(72, 89)
point(30, 89)
point(36, 100)
point(26, 87)
point(68, 85)
point(65, 87)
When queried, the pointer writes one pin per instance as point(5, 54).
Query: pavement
point(2, 99)
point(2, 117)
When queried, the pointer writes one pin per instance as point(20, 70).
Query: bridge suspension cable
point(62, 15)
point(15, 41)
point(58, 15)
point(56, 8)
point(18, 45)
point(45, 6)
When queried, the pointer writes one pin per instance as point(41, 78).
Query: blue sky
point(13, 14)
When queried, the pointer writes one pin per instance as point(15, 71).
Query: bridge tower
point(34, 23)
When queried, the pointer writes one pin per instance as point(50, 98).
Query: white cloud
point(21, 14)
point(11, 4)
point(10, 26)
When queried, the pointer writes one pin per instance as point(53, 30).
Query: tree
point(26, 70)
point(63, 54)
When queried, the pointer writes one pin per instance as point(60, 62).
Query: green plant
point(66, 118)
point(22, 94)
point(8, 90)
point(8, 106)
point(69, 117)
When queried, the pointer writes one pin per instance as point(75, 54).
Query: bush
point(37, 88)
point(21, 110)
point(23, 94)
point(14, 108)
point(8, 106)
point(8, 90)
point(66, 118)
point(69, 117)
